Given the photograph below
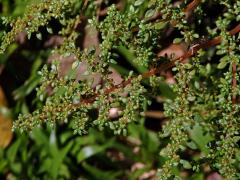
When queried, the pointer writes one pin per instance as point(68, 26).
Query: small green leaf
point(29, 35)
point(197, 177)
point(88, 151)
point(191, 98)
point(113, 61)
point(195, 35)
point(223, 81)
point(220, 52)
point(177, 40)
point(160, 25)
point(192, 145)
point(185, 164)
point(224, 58)
point(92, 150)
point(39, 36)
point(146, 37)
point(196, 84)
point(75, 64)
point(60, 91)
point(201, 138)
point(49, 30)
point(188, 66)
point(149, 13)
point(208, 68)
point(222, 64)
point(138, 2)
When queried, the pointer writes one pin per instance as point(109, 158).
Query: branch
point(191, 6)
point(195, 48)
point(234, 82)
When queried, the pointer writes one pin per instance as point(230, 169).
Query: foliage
point(201, 128)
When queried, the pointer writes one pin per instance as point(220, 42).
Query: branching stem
point(153, 71)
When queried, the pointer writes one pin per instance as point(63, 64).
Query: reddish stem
point(234, 82)
point(191, 6)
point(193, 50)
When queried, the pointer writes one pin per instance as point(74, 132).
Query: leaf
point(185, 164)
point(16, 167)
point(222, 65)
point(149, 13)
point(166, 90)
point(60, 91)
point(49, 30)
point(121, 70)
point(12, 151)
point(11, 49)
point(29, 35)
point(160, 25)
point(223, 62)
point(130, 58)
point(91, 150)
point(138, 2)
point(75, 64)
point(39, 36)
point(54, 160)
point(208, 68)
point(29, 84)
point(39, 137)
point(65, 136)
point(177, 40)
point(201, 139)
point(58, 159)
point(45, 165)
point(197, 177)
point(27, 88)
point(64, 171)
point(35, 67)
point(3, 164)
point(192, 145)
point(100, 174)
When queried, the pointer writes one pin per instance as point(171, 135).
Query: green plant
point(202, 107)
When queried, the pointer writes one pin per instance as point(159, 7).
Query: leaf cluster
point(201, 107)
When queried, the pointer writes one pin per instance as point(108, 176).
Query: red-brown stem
point(234, 82)
point(193, 50)
point(191, 6)
point(235, 30)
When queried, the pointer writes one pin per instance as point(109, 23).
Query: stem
point(194, 49)
point(234, 82)
point(191, 6)
point(154, 114)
